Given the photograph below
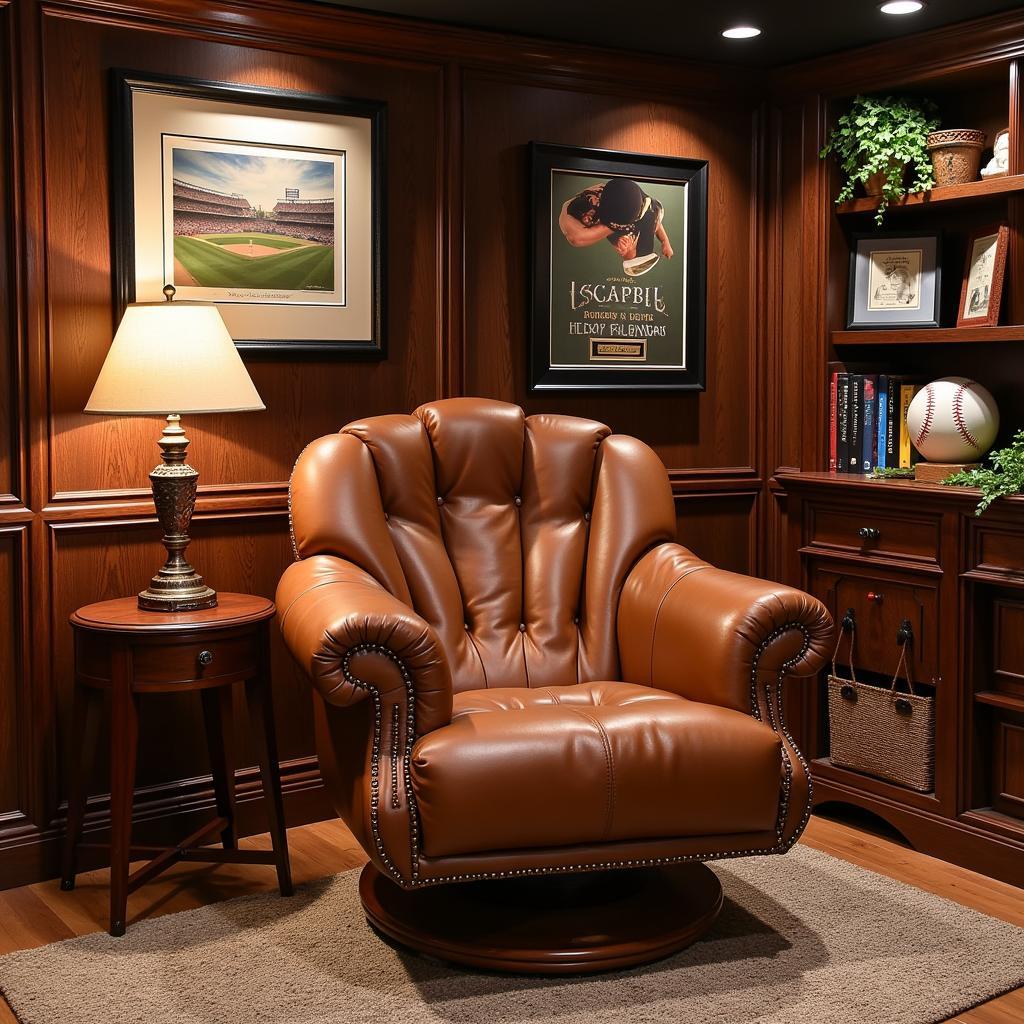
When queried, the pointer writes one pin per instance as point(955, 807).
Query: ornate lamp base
point(177, 587)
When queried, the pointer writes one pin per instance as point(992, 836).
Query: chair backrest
point(510, 534)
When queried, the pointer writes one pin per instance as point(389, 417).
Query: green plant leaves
point(1005, 477)
point(887, 134)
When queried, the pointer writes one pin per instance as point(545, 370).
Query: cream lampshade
point(169, 358)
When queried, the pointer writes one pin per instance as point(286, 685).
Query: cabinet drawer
point(162, 662)
point(996, 549)
point(875, 535)
point(879, 607)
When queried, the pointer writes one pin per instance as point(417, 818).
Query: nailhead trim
point(779, 726)
point(776, 721)
point(354, 680)
point(291, 523)
point(394, 757)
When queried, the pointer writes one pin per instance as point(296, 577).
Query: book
point(868, 430)
point(908, 455)
point(833, 379)
point(882, 419)
point(892, 423)
point(856, 417)
point(843, 423)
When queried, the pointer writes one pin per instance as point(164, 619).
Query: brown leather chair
point(518, 673)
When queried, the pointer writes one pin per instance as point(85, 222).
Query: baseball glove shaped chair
point(522, 683)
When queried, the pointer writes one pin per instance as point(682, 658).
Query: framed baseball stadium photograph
point(266, 202)
point(619, 270)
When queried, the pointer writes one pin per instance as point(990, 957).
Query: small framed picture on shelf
point(984, 270)
point(894, 281)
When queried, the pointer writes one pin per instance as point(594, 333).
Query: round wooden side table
point(128, 651)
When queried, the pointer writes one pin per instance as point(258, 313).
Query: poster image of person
point(621, 213)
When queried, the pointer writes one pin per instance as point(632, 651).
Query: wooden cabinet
point(958, 581)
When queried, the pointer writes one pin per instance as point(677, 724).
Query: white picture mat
point(982, 273)
point(155, 114)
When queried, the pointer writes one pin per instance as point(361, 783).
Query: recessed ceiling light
point(901, 6)
point(742, 32)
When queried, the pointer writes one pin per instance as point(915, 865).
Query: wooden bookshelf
point(930, 336)
point(987, 188)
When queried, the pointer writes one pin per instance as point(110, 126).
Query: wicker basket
point(879, 731)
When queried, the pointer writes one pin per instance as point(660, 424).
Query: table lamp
point(173, 356)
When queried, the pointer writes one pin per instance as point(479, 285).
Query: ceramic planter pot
point(873, 186)
point(956, 155)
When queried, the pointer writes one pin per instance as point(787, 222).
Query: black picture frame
point(544, 159)
point(125, 83)
point(858, 318)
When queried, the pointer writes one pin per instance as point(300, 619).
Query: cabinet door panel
point(880, 606)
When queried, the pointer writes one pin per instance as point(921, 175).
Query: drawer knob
point(874, 595)
point(205, 658)
point(869, 533)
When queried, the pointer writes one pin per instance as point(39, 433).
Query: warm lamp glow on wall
point(170, 358)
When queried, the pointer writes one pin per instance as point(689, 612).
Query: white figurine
point(1000, 162)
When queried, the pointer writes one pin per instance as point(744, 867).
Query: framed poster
point(984, 270)
point(619, 254)
point(268, 203)
point(894, 281)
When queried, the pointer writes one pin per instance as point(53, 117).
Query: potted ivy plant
point(880, 142)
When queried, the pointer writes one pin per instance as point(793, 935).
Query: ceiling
point(791, 31)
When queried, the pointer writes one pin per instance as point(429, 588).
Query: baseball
point(953, 420)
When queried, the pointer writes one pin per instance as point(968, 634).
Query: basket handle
point(904, 638)
point(848, 625)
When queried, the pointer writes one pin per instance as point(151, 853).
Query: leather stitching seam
point(657, 616)
point(610, 763)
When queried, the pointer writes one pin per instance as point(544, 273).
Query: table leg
point(261, 709)
point(124, 740)
point(219, 720)
point(84, 723)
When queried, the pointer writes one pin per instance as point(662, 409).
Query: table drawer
point(880, 606)
point(166, 661)
point(871, 534)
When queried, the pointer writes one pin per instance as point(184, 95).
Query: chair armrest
point(351, 637)
point(708, 634)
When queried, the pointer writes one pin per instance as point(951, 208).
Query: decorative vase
point(956, 155)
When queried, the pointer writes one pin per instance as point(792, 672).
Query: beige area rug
point(803, 939)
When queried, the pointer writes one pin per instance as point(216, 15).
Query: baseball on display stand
point(953, 420)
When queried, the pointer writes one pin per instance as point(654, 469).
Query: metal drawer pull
point(869, 533)
point(875, 596)
point(205, 658)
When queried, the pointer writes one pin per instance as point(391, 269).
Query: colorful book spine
point(892, 425)
point(843, 423)
point(882, 417)
point(832, 398)
point(907, 392)
point(856, 421)
point(869, 431)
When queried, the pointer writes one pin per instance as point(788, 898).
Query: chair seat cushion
point(594, 762)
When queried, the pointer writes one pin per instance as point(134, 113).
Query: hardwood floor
point(37, 914)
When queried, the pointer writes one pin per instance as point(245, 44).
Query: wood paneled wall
point(76, 523)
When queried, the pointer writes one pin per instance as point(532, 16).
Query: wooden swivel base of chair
point(557, 924)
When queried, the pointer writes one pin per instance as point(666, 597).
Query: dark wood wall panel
point(8, 308)
point(13, 752)
point(306, 399)
point(721, 528)
point(500, 117)
point(461, 108)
